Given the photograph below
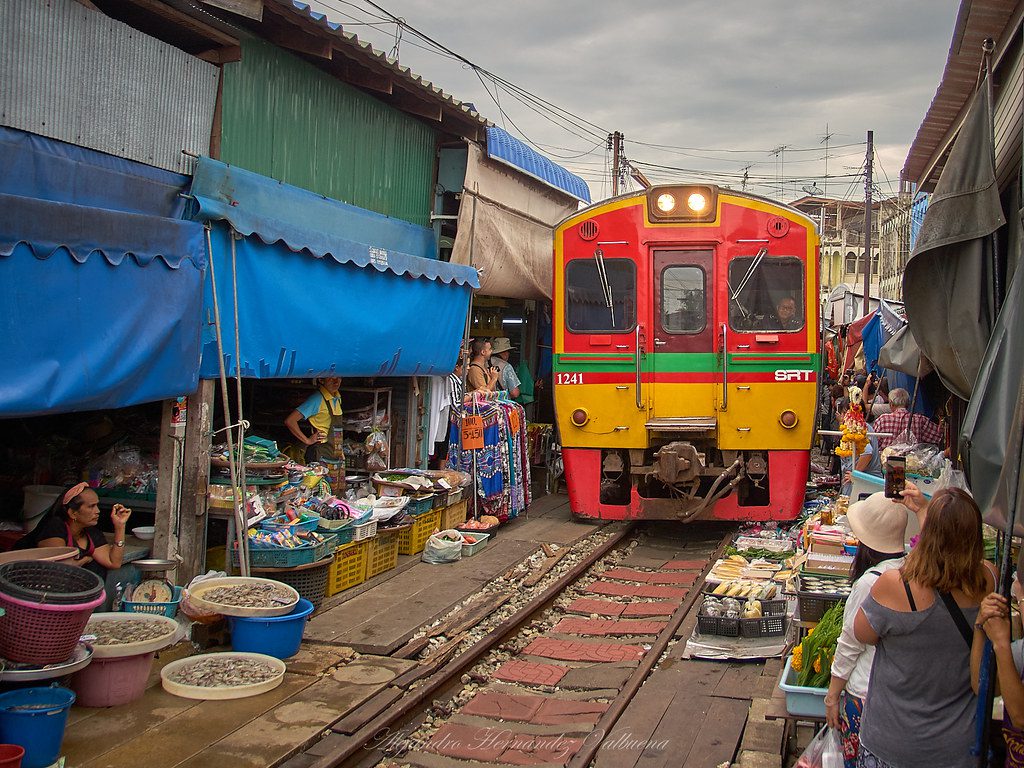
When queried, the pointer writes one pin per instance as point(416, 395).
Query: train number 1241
point(569, 378)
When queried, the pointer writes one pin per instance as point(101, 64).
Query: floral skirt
point(849, 728)
point(866, 760)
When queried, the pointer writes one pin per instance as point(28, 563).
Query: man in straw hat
point(508, 380)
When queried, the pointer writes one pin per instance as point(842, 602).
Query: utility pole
point(746, 176)
point(867, 221)
point(616, 141)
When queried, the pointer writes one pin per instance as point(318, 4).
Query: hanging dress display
point(501, 468)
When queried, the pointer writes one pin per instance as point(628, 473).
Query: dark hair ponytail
point(867, 558)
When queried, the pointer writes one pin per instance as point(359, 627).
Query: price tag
point(472, 433)
point(513, 421)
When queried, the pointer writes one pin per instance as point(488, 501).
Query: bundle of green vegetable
point(812, 659)
point(754, 553)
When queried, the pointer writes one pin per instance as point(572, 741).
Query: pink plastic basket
point(37, 633)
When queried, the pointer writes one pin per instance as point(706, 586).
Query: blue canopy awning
point(323, 286)
point(100, 288)
point(505, 148)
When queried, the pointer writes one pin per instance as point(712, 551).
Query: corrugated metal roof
point(976, 20)
point(73, 74)
point(303, 10)
point(507, 149)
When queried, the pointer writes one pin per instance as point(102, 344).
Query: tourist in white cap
point(508, 380)
point(880, 524)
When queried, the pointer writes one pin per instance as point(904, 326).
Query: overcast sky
point(720, 83)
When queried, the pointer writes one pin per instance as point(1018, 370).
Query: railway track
point(537, 669)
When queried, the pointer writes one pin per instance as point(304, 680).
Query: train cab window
point(766, 293)
point(683, 305)
point(600, 295)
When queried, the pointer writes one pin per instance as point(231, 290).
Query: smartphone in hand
point(895, 476)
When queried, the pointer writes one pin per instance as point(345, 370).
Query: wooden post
point(195, 482)
point(168, 496)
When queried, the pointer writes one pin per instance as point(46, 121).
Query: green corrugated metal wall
point(287, 120)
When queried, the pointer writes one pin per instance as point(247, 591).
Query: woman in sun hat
point(880, 524)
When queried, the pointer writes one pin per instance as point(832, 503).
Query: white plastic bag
point(443, 547)
point(824, 751)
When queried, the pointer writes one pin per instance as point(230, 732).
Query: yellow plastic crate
point(382, 552)
point(348, 569)
point(454, 515)
point(412, 540)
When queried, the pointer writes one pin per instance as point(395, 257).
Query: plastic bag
point(824, 751)
point(951, 478)
point(443, 547)
point(190, 609)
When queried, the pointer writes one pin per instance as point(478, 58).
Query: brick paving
point(538, 750)
point(649, 609)
point(680, 577)
point(568, 650)
point(616, 589)
point(503, 706)
point(530, 672)
point(470, 742)
point(588, 605)
point(627, 574)
point(579, 626)
point(561, 711)
point(685, 565)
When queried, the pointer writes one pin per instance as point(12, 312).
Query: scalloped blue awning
point(505, 148)
point(304, 221)
point(100, 287)
point(324, 287)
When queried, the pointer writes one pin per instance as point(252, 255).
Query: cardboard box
point(827, 544)
point(828, 564)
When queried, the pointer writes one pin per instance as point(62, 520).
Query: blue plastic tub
point(278, 636)
point(801, 699)
point(34, 718)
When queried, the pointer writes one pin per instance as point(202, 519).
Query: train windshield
point(766, 293)
point(682, 300)
point(600, 295)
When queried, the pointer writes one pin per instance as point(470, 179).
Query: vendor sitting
point(323, 412)
point(72, 522)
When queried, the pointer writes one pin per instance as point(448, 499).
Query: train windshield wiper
point(758, 259)
point(606, 288)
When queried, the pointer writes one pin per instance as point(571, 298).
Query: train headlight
point(684, 204)
point(580, 417)
point(788, 419)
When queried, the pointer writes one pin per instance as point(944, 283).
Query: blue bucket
point(34, 718)
point(278, 636)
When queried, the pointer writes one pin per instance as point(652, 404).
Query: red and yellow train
point(686, 355)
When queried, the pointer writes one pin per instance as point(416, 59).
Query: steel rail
point(414, 700)
point(611, 715)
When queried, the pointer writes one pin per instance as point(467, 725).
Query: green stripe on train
point(686, 362)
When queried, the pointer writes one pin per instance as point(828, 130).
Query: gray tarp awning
point(990, 435)
point(947, 284)
point(901, 353)
point(506, 221)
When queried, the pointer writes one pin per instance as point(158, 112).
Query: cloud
point(723, 75)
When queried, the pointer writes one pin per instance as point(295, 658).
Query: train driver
point(785, 317)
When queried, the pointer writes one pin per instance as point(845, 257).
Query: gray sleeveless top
point(920, 709)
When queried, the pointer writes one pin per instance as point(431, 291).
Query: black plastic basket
point(813, 605)
point(310, 582)
point(772, 622)
point(42, 581)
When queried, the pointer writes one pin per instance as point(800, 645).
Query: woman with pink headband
point(72, 522)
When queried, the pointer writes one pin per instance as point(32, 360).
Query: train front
point(686, 355)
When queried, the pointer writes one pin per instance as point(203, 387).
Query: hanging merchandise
point(376, 451)
point(500, 467)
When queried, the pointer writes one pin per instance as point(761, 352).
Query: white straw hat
point(879, 523)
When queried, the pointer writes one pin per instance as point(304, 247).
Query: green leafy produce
point(755, 552)
point(818, 648)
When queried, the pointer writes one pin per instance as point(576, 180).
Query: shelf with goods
point(375, 403)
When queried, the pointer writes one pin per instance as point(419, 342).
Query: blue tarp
point(502, 146)
point(100, 289)
point(875, 335)
point(325, 287)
